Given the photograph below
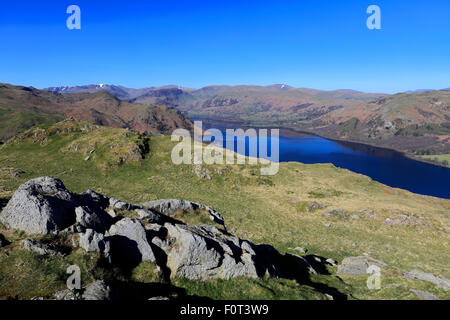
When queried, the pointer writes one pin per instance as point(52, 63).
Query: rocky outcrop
point(40, 206)
point(195, 252)
point(204, 252)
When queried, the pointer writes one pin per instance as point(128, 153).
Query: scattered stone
point(354, 244)
point(299, 249)
point(358, 265)
point(40, 206)
point(339, 213)
point(87, 158)
point(356, 217)
point(424, 295)
point(311, 206)
point(40, 248)
point(15, 173)
point(420, 275)
point(389, 246)
point(369, 214)
point(327, 225)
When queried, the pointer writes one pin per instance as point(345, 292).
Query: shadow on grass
point(138, 291)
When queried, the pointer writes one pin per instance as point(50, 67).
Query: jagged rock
point(420, 275)
point(40, 248)
point(87, 218)
point(129, 240)
point(169, 206)
point(92, 241)
point(424, 295)
point(358, 265)
point(40, 206)
point(204, 252)
point(3, 241)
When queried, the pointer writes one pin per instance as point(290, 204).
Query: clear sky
point(316, 43)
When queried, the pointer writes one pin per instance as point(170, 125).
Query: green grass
point(271, 213)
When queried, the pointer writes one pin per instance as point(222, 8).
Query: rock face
point(358, 265)
point(169, 206)
point(40, 206)
point(420, 275)
point(129, 241)
point(204, 252)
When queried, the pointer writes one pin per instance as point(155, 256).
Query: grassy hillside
point(273, 210)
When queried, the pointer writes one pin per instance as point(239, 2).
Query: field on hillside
point(349, 218)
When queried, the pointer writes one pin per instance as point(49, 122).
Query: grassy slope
point(265, 210)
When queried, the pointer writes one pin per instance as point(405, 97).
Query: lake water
point(385, 166)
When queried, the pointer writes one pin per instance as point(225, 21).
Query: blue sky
point(316, 43)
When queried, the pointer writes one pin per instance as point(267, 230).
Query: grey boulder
point(40, 206)
point(358, 265)
point(129, 241)
point(205, 252)
point(420, 275)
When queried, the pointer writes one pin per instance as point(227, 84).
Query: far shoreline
point(294, 133)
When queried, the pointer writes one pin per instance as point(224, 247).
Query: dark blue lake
point(383, 165)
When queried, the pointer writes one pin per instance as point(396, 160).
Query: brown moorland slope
point(24, 107)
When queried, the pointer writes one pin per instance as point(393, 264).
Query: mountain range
point(416, 122)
